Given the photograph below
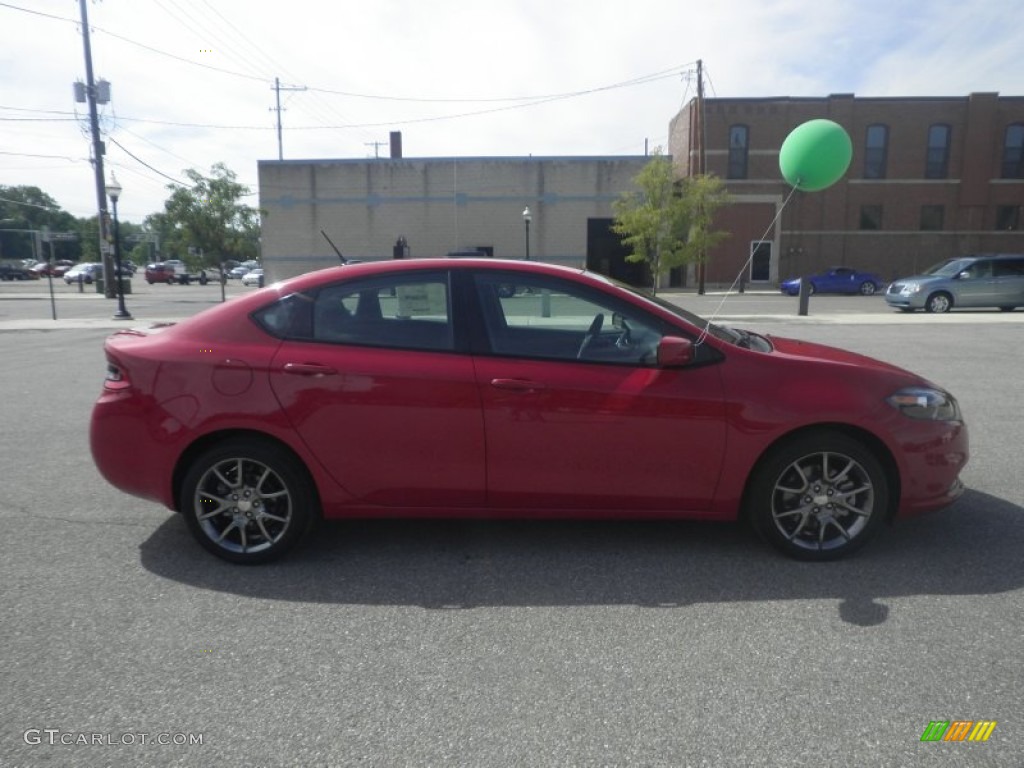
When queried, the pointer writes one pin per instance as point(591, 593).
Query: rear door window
point(402, 311)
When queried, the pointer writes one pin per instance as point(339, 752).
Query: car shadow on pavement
point(971, 548)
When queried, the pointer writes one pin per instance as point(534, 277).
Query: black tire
point(820, 496)
point(264, 497)
point(867, 288)
point(1007, 309)
point(939, 302)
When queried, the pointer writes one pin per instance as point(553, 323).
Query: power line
point(48, 157)
point(31, 205)
point(139, 160)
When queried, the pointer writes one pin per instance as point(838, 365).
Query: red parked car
point(423, 387)
point(159, 273)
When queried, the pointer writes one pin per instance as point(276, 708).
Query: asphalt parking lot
point(409, 643)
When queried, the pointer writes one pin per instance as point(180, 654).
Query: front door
point(576, 414)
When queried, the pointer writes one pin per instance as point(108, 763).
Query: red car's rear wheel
point(247, 501)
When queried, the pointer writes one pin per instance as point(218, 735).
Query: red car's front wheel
point(819, 497)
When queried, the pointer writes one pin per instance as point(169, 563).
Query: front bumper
point(932, 460)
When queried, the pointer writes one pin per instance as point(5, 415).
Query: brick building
point(930, 178)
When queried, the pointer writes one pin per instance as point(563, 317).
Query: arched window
point(1013, 152)
point(738, 136)
point(937, 160)
point(876, 150)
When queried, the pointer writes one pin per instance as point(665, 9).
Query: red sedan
point(426, 388)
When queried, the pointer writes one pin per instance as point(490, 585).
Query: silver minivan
point(979, 280)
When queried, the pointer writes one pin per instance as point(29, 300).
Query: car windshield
point(719, 332)
point(948, 268)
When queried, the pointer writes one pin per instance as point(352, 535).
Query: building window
point(1013, 152)
point(932, 218)
point(1008, 217)
point(871, 217)
point(738, 151)
point(876, 149)
point(937, 161)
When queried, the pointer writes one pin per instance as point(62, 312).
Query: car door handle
point(309, 369)
point(517, 385)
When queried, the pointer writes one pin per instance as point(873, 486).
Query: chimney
point(396, 145)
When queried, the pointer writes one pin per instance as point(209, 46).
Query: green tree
point(208, 223)
point(88, 239)
point(666, 222)
point(29, 208)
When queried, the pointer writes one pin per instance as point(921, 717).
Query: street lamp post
point(114, 192)
point(527, 218)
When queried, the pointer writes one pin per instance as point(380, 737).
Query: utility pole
point(278, 88)
point(701, 163)
point(376, 147)
point(97, 158)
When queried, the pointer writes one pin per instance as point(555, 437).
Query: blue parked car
point(838, 280)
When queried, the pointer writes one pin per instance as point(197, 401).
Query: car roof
point(388, 266)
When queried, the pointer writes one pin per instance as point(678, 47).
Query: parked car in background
point(88, 271)
point(837, 280)
point(238, 272)
point(980, 280)
point(159, 272)
point(373, 389)
point(55, 268)
point(15, 270)
point(253, 277)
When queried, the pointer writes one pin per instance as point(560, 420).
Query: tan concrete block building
point(441, 205)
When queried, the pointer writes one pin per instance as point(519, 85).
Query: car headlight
point(909, 288)
point(925, 403)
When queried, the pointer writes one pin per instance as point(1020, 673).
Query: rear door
point(1009, 282)
point(379, 392)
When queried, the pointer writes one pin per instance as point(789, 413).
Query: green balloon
point(815, 155)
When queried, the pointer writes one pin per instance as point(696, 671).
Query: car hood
point(807, 350)
point(920, 279)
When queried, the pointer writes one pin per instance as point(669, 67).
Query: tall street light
point(114, 192)
point(527, 218)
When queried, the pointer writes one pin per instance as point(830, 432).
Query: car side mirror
point(963, 275)
point(674, 352)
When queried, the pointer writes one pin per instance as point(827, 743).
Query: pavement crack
point(26, 512)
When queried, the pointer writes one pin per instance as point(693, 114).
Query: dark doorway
point(607, 255)
point(760, 261)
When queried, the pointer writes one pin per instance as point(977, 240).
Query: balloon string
point(771, 226)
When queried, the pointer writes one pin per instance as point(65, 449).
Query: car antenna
point(343, 259)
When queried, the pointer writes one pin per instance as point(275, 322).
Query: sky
point(192, 80)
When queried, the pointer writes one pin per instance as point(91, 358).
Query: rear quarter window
point(289, 317)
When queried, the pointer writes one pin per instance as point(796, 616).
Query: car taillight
point(115, 379)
